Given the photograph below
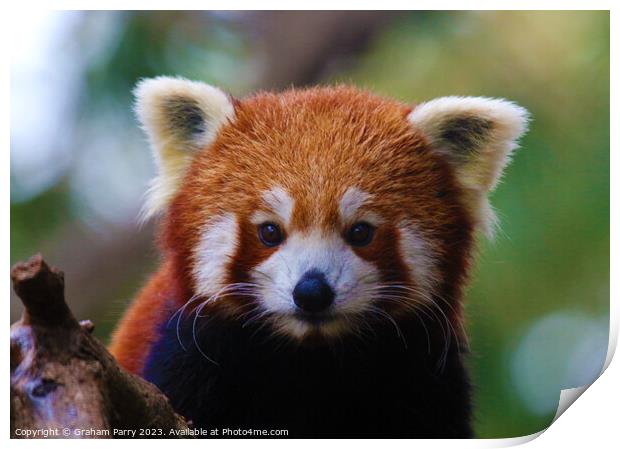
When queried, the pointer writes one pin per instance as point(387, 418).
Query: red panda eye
point(360, 234)
point(270, 234)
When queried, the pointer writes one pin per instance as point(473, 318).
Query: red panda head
point(317, 209)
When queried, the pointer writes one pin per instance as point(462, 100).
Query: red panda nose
point(312, 293)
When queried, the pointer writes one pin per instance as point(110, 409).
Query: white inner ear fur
point(477, 135)
point(179, 117)
point(217, 245)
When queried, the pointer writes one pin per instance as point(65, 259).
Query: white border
point(592, 421)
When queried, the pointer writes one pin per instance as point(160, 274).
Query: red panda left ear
point(180, 117)
point(477, 136)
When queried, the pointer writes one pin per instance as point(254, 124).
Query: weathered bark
point(63, 378)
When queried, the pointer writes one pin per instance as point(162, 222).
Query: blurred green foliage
point(41, 216)
point(552, 251)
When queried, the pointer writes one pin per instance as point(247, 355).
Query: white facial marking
point(350, 204)
point(218, 242)
point(351, 201)
point(279, 203)
point(356, 282)
point(350, 276)
point(418, 256)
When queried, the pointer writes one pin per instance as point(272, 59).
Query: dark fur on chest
point(378, 385)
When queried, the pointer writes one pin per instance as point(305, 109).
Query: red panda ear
point(477, 136)
point(180, 117)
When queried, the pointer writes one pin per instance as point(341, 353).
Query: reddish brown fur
point(315, 143)
point(137, 330)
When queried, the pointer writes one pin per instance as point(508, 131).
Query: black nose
point(312, 293)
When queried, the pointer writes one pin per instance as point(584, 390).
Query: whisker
point(180, 311)
point(245, 288)
point(412, 299)
point(392, 320)
point(196, 340)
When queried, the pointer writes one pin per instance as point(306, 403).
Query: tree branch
point(63, 378)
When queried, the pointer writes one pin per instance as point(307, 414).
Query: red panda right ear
point(477, 136)
point(180, 117)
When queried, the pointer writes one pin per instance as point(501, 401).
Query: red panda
point(315, 246)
